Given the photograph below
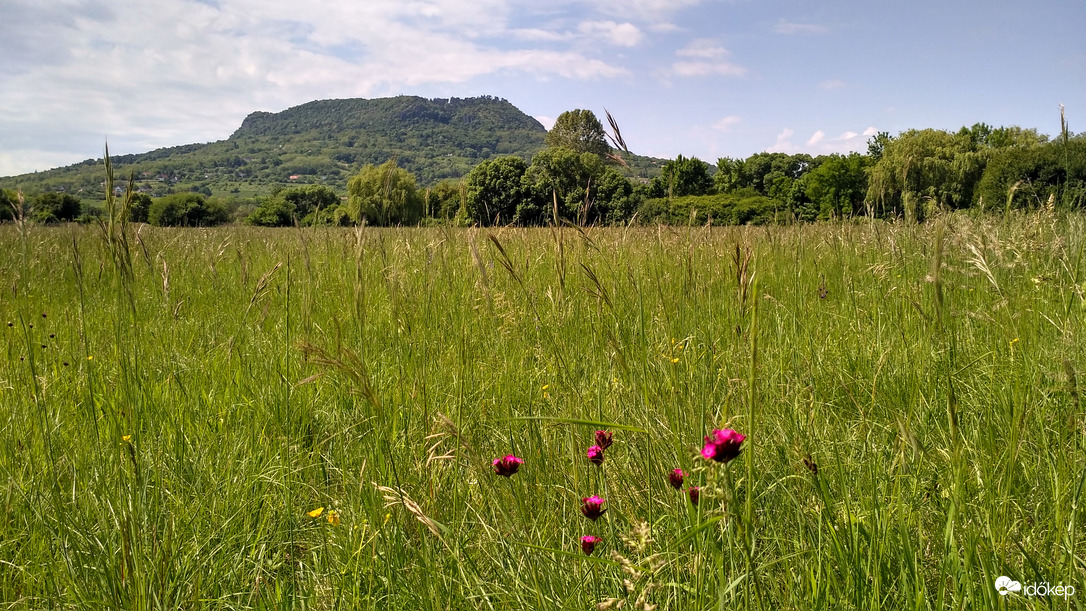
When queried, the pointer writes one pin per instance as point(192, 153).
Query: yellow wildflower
point(333, 517)
point(316, 513)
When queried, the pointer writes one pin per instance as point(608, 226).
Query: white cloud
point(705, 58)
point(725, 124)
point(545, 121)
point(703, 48)
point(784, 142)
point(791, 27)
point(641, 10)
point(831, 84)
point(871, 131)
point(192, 71)
point(818, 144)
point(619, 34)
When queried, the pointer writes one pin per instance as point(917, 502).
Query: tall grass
point(909, 393)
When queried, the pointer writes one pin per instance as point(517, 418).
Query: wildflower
point(588, 544)
point(316, 513)
point(603, 439)
point(126, 437)
point(695, 495)
point(675, 478)
point(595, 455)
point(722, 445)
point(333, 517)
point(592, 507)
point(507, 465)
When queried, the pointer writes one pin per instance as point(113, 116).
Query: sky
point(702, 78)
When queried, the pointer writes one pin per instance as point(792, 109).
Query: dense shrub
point(721, 209)
point(187, 210)
point(54, 207)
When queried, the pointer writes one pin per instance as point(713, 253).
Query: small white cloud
point(816, 138)
point(664, 27)
point(831, 84)
point(708, 68)
point(784, 142)
point(846, 136)
point(703, 48)
point(539, 35)
point(548, 122)
point(619, 34)
point(725, 124)
point(705, 58)
point(871, 131)
point(642, 10)
point(791, 27)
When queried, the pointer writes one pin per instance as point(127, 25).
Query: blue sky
point(694, 77)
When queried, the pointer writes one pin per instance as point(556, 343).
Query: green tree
point(1028, 176)
point(728, 175)
point(187, 210)
point(683, 176)
point(921, 170)
point(384, 195)
point(273, 212)
point(876, 144)
point(54, 207)
point(562, 175)
point(446, 198)
point(838, 185)
point(9, 201)
point(141, 205)
point(307, 199)
point(579, 131)
point(494, 190)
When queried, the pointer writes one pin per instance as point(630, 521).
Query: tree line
point(579, 177)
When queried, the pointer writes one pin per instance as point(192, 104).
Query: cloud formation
point(725, 124)
point(155, 74)
point(791, 27)
point(704, 57)
point(818, 144)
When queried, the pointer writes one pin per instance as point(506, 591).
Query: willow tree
point(384, 195)
point(922, 170)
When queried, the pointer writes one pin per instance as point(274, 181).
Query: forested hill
point(440, 138)
point(325, 142)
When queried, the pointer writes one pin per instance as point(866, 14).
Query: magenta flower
point(595, 455)
point(507, 465)
point(592, 507)
point(676, 479)
point(695, 495)
point(603, 439)
point(722, 445)
point(588, 544)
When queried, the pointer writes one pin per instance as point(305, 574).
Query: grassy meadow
point(177, 404)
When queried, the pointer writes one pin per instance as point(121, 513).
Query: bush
point(54, 207)
point(272, 212)
point(724, 209)
point(187, 210)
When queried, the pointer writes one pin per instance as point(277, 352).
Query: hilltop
point(323, 142)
